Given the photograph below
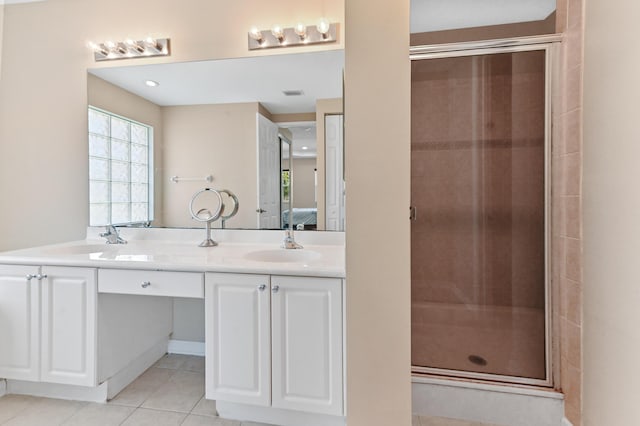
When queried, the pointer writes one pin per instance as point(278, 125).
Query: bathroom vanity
point(84, 319)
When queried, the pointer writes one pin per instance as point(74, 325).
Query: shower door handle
point(413, 213)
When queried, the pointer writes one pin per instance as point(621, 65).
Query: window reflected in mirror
point(120, 182)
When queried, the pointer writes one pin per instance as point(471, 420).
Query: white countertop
point(323, 254)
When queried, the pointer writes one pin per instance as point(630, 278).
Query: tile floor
point(170, 393)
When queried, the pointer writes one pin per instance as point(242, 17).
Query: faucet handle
point(289, 241)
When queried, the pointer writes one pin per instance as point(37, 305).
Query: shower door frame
point(548, 44)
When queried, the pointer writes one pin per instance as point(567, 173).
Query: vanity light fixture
point(149, 47)
point(301, 34)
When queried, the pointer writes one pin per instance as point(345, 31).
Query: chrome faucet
point(112, 235)
point(289, 241)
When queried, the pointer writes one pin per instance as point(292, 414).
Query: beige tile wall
point(567, 207)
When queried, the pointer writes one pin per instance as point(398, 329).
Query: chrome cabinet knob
point(29, 277)
point(275, 288)
point(261, 287)
point(146, 284)
point(41, 276)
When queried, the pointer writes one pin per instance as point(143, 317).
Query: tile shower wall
point(567, 207)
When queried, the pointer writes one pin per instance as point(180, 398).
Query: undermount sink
point(80, 249)
point(282, 256)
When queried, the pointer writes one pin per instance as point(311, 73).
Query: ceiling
point(303, 140)
point(255, 79)
point(438, 15)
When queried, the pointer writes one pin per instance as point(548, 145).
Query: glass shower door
point(478, 239)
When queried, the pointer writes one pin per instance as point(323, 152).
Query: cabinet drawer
point(151, 283)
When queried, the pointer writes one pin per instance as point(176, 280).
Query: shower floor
point(507, 340)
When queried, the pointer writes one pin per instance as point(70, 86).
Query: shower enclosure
point(479, 234)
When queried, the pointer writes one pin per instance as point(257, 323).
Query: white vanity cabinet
point(49, 315)
point(68, 333)
point(275, 341)
point(238, 338)
point(306, 344)
point(19, 323)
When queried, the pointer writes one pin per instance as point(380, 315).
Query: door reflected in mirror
point(263, 127)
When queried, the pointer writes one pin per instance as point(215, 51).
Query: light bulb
point(256, 34)
point(133, 45)
point(110, 45)
point(152, 43)
point(278, 32)
point(301, 30)
point(323, 27)
point(97, 48)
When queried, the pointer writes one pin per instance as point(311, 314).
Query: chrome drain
point(477, 360)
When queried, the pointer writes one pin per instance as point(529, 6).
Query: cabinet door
point(69, 326)
point(307, 344)
point(19, 323)
point(237, 332)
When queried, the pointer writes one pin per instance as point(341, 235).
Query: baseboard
point(55, 390)
point(566, 422)
point(186, 347)
point(279, 416)
point(3, 387)
point(499, 405)
point(122, 378)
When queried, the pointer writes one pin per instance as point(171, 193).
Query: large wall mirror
point(267, 128)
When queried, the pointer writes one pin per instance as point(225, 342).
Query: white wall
point(304, 182)
point(1, 28)
point(611, 214)
point(377, 160)
point(217, 140)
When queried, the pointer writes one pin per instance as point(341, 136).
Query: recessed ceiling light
point(152, 83)
point(305, 147)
